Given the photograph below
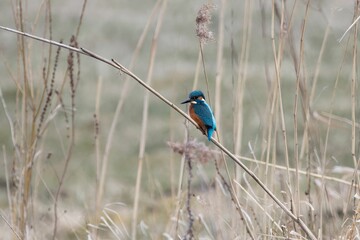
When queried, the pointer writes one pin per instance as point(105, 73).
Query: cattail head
point(203, 21)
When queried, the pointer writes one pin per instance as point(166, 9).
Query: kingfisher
point(201, 113)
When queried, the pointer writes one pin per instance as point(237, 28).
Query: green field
point(285, 96)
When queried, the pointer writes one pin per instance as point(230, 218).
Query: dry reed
point(285, 189)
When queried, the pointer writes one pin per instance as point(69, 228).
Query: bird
point(201, 113)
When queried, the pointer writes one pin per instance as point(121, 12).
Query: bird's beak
point(186, 101)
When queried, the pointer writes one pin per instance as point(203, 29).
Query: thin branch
point(349, 28)
point(145, 114)
point(11, 227)
point(118, 66)
point(12, 130)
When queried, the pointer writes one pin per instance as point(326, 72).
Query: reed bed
point(89, 151)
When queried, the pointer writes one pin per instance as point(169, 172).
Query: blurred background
point(112, 29)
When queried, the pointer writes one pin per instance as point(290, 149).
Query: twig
point(201, 20)
point(81, 18)
point(189, 233)
point(7, 179)
point(122, 97)
point(145, 114)
point(219, 64)
point(118, 66)
point(11, 227)
point(72, 135)
point(348, 29)
point(296, 102)
point(12, 129)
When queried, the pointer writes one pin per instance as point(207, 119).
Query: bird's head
point(195, 97)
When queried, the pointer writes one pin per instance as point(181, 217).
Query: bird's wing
point(205, 114)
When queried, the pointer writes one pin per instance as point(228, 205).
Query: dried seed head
point(196, 151)
point(203, 21)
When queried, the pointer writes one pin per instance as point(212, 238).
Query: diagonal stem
point(118, 66)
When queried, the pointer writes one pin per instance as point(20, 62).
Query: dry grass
point(285, 97)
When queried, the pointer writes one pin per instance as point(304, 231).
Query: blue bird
point(201, 113)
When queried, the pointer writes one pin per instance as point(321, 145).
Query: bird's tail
point(210, 132)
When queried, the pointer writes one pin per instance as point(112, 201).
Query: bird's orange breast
point(196, 118)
